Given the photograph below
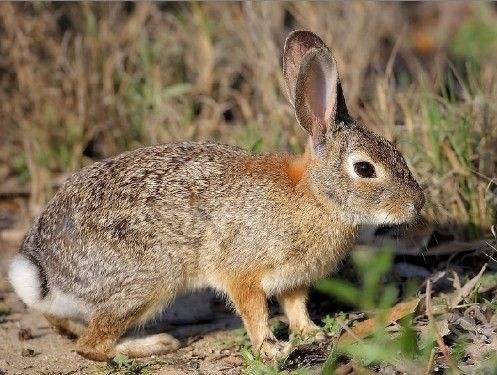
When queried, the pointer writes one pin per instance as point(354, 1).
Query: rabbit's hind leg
point(66, 326)
point(99, 339)
point(293, 303)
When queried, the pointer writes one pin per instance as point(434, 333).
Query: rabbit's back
point(124, 197)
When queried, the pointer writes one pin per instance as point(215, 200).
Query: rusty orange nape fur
point(297, 166)
point(291, 166)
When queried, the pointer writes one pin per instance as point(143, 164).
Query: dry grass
point(82, 81)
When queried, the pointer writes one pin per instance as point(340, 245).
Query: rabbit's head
point(354, 170)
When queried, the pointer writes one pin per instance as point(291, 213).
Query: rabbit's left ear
point(296, 46)
point(313, 85)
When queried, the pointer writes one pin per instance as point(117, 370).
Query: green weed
point(404, 349)
point(122, 364)
point(334, 325)
point(255, 366)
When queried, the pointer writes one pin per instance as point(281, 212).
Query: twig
point(464, 305)
point(429, 312)
point(348, 330)
point(14, 193)
point(440, 342)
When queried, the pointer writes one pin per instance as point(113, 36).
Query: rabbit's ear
point(296, 46)
point(313, 85)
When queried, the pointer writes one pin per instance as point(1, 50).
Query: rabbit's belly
point(287, 278)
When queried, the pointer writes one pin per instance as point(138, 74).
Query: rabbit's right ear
point(313, 86)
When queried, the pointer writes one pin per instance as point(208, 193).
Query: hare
point(125, 235)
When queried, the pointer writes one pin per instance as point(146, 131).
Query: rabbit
point(125, 235)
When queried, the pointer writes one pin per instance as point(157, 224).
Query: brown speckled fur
point(125, 235)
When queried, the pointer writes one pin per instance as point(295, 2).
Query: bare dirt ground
point(28, 345)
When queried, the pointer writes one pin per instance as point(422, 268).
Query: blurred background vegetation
point(83, 81)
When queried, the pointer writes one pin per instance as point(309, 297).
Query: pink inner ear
point(318, 94)
point(322, 87)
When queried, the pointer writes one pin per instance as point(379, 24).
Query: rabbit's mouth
point(401, 215)
point(380, 217)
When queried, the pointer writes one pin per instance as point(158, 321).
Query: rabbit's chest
point(308, 261)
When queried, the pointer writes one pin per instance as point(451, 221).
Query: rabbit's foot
point(98, 341)
point(146, 346)
point(271, 349)
point(101, 352)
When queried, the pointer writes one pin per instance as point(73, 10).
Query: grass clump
point(255, 366)
point(123, 365)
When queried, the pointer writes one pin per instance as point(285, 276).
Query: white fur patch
point(64, 305)
point(358, 156)
point(383, 217)
point(145, 346)
point(25, 278)
point(283, 280)
point(274, 285)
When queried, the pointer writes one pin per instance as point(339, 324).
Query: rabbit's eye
point(364, 169)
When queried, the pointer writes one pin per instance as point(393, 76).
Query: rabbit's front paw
point(271, 349)
point(310, 331)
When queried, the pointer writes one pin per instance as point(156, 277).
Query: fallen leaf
point(365, 328)
point(454, 247)
point(466, 289)
point(456, 282)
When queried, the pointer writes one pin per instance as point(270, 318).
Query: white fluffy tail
point(25, 278)
point(24, 275)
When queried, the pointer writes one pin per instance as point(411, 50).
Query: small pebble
point(195, 365)
point(27, 352)
point(234, 361)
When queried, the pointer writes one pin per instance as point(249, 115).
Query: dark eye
point(364, 169)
